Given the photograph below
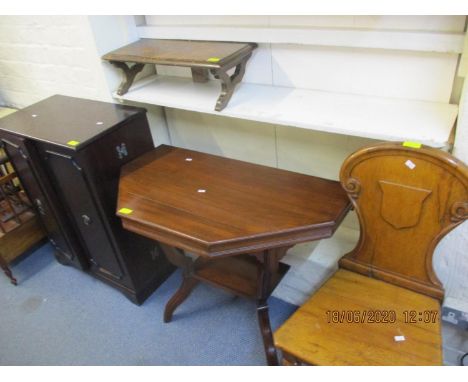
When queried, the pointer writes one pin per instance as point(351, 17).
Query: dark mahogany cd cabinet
point(67, 153)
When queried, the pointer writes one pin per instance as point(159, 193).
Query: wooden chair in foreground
point(382, 307)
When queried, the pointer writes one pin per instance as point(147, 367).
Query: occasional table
point(201, 56)
point(238, 218)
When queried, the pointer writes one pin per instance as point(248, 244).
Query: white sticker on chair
point(410, 164)
point(201, 190)
point(399, 338)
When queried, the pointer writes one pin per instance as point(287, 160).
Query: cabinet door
point(71, 184)
point(105, 157)
point(25, 162)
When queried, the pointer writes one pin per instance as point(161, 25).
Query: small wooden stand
point(202, 57)
point(239, 226)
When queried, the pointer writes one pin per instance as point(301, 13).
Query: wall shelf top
point(206, 54)
point(372, 117)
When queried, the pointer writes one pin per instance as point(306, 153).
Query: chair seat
point(309, 337)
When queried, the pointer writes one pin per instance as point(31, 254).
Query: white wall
point(45, 55)
point(112, 32)
point(406, 74)
point(415, 75)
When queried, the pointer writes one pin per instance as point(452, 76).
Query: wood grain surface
point(215, 206)
point(407, 197)
point(180, 52)
point(308, 335)
point(61, 119)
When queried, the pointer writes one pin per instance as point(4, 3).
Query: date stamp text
point(380, 316)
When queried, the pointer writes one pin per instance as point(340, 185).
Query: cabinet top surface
point(214, 204)
point(180, 52)
point(67, 121)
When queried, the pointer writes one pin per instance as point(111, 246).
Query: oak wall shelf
point(203, 57)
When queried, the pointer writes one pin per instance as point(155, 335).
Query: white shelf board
point(378, 118)
point(442, 42)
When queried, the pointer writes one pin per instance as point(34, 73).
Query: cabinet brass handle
point(122, 151)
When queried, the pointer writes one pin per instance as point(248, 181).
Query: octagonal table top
point(215, 206)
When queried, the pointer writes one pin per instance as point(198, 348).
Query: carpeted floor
point(58, 315)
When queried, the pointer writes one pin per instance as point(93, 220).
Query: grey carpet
point(58, 315)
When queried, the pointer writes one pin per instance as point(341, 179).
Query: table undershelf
point(238, 274)
point(372, 117)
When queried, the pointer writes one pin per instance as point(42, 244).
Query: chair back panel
point(407, 200)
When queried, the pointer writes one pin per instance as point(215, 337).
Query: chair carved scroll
point(407, 200)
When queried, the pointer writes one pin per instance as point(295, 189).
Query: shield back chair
point(382, 306)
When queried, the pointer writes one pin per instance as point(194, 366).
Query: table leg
point(269, 264)
point(189, 283)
